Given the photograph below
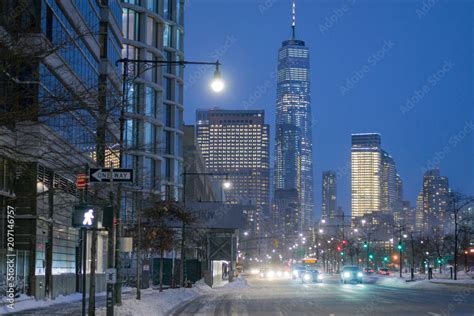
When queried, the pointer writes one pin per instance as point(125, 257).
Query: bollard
point(430, 273)
point(412, 273)
point(451, 271)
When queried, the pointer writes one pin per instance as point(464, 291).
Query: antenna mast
point(293, 19)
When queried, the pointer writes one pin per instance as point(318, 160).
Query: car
point(311, 276)
point(297, 272)
point(384, 271)
point(368, 270)
point(263, 273)
point(351, 274)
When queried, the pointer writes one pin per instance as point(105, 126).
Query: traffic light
point(440, 260)
point(338, 248)
point(344, 242)
point(399, 247)
point(385, 259)
point(371, 256)
point(365, 244)
point(342, 253)
point(84, 216)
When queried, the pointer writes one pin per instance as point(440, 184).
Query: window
point(167, 40)
point(179, 13)
point(168, 88)
point(130, 133)
point(169, 67)
point(167, 141)
point(131, 24)
point(169, 115)
point(149, 133)
point(178, 118)
point(150, 102)
point(178, 92)
point(150, 31)
point(168, 168)
point(152, 5)
point(179, 39)
point(168, 9)
point(132, 98)
point(148, 173)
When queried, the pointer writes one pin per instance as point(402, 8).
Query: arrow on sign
point(104, 175)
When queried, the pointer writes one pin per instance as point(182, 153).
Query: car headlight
point(279, 274)
point(307, 277)
point(286, 274)
point(347, 274)
point(270, 274)
point(320, 276)
point(262, 275)
point(295, 272)
point(359, 274)
point(254, 271)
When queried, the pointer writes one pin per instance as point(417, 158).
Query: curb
point(468, 285)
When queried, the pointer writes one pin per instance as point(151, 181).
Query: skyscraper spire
point(293, 19)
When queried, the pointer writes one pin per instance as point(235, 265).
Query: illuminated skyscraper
point(366, 156)
point(329, 193)
point(435, 201)
point(237, 142)
point(293, 142)
point(388, 182)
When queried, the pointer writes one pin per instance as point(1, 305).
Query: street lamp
point(217, 83)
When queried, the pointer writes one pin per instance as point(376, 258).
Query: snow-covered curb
point(156, 303)
point(424, 283)
point(27, 302)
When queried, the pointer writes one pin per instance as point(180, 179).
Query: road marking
point(434, 314)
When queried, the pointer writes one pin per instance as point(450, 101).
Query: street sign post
point(104, 175)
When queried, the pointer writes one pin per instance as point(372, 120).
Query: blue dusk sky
point(401, 68)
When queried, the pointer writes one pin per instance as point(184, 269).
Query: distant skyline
point(397, 68)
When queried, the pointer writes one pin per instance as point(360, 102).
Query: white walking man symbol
point(88, 216)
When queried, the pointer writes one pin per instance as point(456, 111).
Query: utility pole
point(139, 247)
point(412, 271)
point(183, 229)
point(110, 247)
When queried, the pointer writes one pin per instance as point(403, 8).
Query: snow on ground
point(27, 302)
point(155, 303)
point(395, 281)
point(238, 283)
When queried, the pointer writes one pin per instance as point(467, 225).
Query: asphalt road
point(291, 297)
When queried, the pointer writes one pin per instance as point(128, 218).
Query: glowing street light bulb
point(217, 83)
point(227, 184)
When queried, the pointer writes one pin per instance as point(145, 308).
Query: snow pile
point(154, 302)
point(462, 281)
point(27, 302)
point(239, 283)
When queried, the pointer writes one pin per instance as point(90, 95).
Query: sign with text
point(105, 174)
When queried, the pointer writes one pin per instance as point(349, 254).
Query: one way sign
point(103, 175)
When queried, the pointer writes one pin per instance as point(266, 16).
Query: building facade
point(293, 133)
point(388, 183)
point(436, 196)
point(200, 187)
point(63, 93)
point(329, 196)
point(366, 157)
point(236, 143)
point(153, 134)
